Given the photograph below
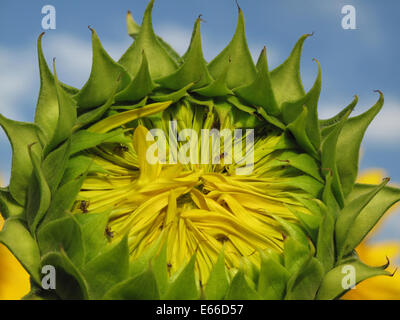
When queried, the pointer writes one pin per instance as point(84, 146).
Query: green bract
point(87, 144)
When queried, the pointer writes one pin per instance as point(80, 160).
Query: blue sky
point(353, 61)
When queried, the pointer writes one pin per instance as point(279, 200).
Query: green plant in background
point(83, 197)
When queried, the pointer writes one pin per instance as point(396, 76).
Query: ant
point(109, 233)
point(121, 148)
point(84, 206)
point(222, 238)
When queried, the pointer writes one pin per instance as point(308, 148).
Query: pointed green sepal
point(259, 92)
point(193, 69)
point(185, 285)
point(285, 79)
point(104, 74)
point(217, 88)
point(140, 86)
point(132, 27)
point(16, 237)
point(291, 111)
point(67, 115)
point(218, 281)
point(240, 289)
point(350, 140)
point(365, 206)
point(20, 135)
point(134, 30)
point(70, 283)
point(141, 287)
point(39, 194)
point(63, 234)
point(336, 282)
point(299, 129)
point(328, 157)
point(242, 70)
point(160, 62)
point(307, 282)
point(107, 269)
point(273, 278)
point(119, 119)
point(47, 110)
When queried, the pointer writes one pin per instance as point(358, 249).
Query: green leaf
point(285, 79)
point(62, 234)
point(259, 92)
point(78, 165)
point(302, 162)
point(93, 226)
point(346, 238)
point(95, 114)
point(292, 109)
point(193, 69)
point(174, 96)
point(141, 287)
point(64, 198)
point(218, 281)
point(326, 123)
point(39, 195)
point(105, 72)
point(326, 244)
point(299, 130)
point(328, 157)
point(140, 86)
point(332, 287)
point(371, 213)
point(83, 139)
point(119, 119)
point(350, 140)
point(47, 110)
point(217, 88)
point(66, 115)
point(273, 278)
point(185, 285)
point(16, 237)
point(107, 269)
point(295, 254)
point(159, 267)
point(9, 207)
point(310, 222)
point(134, 30)
point(21, 135)
point(307, 282)
point(160, 62)
point(237, 56)
point(55, 164)
point(240, 289)
point(328, 196)
point(70, 283)
point(294, 231)
point(132, 27)
point(304, 182)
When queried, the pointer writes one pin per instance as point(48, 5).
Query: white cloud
point(17, 70)
point(385, 129)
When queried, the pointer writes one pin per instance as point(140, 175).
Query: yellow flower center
point(195, 208)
